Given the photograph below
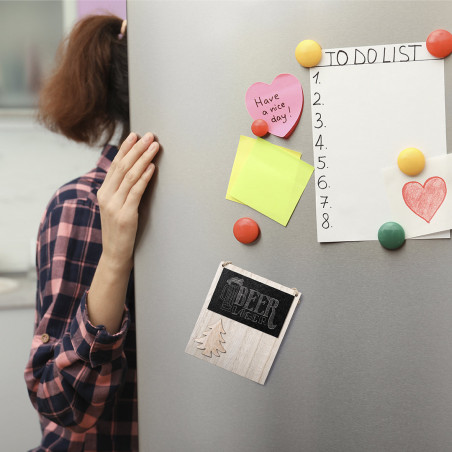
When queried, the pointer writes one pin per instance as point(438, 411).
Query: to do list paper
point(368, 104)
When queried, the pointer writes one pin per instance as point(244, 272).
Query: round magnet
point(259, 127)
point(439, 43)
point(411, 161)
point(246, 230)
point(391, 235)
point(308, 53)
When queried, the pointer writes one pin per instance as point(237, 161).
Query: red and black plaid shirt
point(81, 379)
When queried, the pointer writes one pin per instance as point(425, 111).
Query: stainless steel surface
point(366, 363)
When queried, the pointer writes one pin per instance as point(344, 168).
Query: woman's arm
point(119, 198)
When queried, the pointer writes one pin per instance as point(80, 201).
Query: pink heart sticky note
point(279, 104)
point(425, 200)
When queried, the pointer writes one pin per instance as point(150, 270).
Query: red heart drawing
point(425, 200)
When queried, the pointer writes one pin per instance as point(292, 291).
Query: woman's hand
point(120, 196)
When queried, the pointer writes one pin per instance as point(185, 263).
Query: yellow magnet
point(308, 53)
point(411, 161)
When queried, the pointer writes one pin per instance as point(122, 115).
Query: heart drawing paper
point(434, 209)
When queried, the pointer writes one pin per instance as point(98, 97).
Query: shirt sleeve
point(75, 368)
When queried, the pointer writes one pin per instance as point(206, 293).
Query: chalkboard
point(250, 302)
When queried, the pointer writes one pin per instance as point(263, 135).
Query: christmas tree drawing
point(211, 341)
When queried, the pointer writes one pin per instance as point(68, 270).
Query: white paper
point(413, 224)
point(363, 116)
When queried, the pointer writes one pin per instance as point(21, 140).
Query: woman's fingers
point(136, 192)
point(126, 146)
point(134, 153)
point(135, 173)
point(125, 159)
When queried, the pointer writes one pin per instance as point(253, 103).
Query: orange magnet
point(439, 43)
point(259, 127)
point(246, 230)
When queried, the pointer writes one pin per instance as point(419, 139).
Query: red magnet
point(439, 43)
point(259, 128)
point(246, 230)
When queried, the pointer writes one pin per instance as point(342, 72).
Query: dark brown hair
point(87, 95)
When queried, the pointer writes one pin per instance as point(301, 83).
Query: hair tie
point(123, 29)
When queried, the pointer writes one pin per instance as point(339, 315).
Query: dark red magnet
point(246, 230)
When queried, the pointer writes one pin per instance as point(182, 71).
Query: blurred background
point(33, 164)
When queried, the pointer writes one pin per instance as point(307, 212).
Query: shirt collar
point(108, 154)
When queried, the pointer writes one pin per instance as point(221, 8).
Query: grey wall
point(367, 359)
point(33, 164)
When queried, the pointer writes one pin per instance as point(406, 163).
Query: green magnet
point(391, 235)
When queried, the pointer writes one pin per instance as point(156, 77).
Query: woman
point(81, 375)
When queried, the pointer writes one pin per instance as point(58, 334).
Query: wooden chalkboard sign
point(242, 322)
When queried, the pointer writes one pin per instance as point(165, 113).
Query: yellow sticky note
point(271, 181)
point(244, 149)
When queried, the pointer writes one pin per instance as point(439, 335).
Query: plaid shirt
point(81, 379)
